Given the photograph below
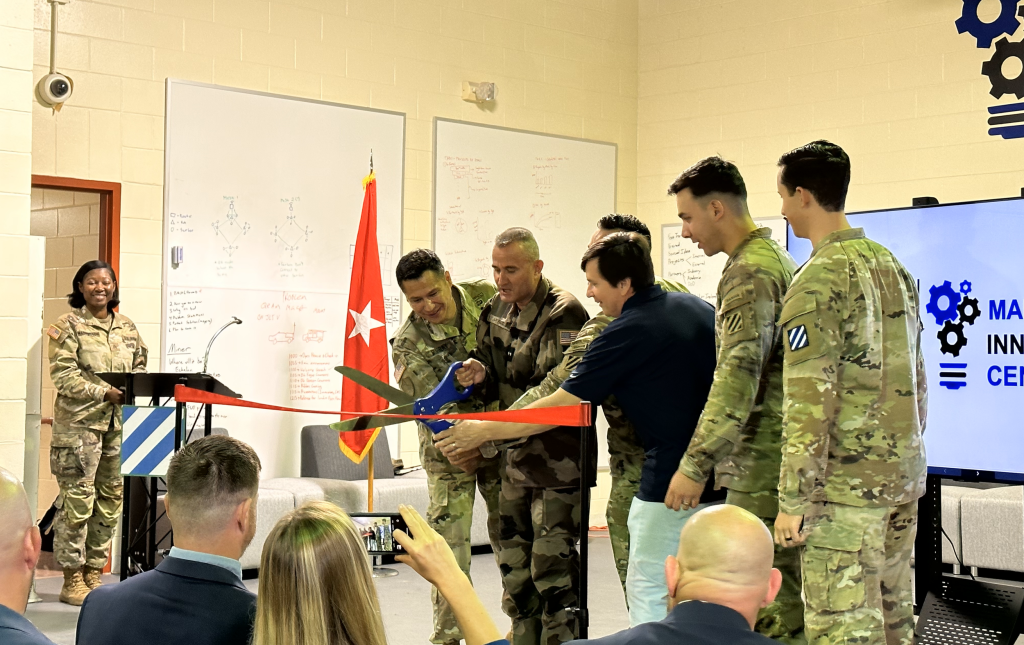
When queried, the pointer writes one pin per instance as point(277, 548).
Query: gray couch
point(328, 475)
point(986, 524)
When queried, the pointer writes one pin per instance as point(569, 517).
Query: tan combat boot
point(74, 590)
point(92, 577)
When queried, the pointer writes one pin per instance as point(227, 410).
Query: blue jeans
point(653, 536)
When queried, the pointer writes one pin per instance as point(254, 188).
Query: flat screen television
point(968, 260)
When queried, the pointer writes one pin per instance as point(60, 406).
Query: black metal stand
point(142, 518)
point(582, 613)
point(953, 609)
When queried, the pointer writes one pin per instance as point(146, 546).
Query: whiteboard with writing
point(681, 259)
point(487, 179)
point(262, 199)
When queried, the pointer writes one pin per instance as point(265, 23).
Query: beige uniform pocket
point(832, 567)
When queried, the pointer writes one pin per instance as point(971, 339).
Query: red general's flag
point(366, 344)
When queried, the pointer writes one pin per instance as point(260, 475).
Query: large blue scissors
point(447, 391)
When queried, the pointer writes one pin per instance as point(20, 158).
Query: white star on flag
point(364, 323)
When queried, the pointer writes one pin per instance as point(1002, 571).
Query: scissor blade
point(378, 387)
point(373, 421)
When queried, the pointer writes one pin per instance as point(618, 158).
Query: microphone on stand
point(234, 321)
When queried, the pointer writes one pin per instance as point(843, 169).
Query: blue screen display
point(969, 265)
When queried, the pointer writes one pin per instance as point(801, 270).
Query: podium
point(142, 517)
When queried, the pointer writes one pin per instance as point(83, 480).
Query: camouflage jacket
point(739, 435)
point(82, 346)
point(521, 349)
point(423, 351)
point(621, 433)
point(854, 380)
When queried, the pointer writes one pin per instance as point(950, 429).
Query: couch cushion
point(992, 526)
point(271, 505)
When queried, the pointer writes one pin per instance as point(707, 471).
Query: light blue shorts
point(653, 536)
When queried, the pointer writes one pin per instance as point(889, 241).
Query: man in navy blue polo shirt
point(658, 359)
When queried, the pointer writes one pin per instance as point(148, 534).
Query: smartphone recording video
point(377, 532)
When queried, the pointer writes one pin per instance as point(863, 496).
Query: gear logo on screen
point(952, 309)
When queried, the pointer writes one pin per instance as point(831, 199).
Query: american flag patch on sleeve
point(53, 332)
point(565, 338)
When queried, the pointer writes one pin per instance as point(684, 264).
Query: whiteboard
point(681, 259)
point(262, 194)
point(488, 179)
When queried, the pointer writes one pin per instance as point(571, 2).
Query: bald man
point(19, 551)
point(719, 581)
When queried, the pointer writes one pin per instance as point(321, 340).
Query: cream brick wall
point(15, 182)
point(565, 68)
point(890, 81)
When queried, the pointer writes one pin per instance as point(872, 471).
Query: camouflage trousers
point(450, 512)
point(625, 467)
point(856, 573)
point(87, 465)
point(539, 562)
point(783, 619)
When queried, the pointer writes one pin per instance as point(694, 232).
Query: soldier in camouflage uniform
point(739, 436)
point(853, 460)
point(625, 451)
point(85, 449)
point(523, 334)
point(441, 330)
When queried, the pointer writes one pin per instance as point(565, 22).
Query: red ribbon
point(565, 415)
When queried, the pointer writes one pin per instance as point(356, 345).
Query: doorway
point(80, 220)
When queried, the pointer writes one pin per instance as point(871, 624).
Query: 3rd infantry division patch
point(798, 338)
point(734, 322)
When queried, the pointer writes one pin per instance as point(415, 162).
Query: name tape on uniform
point(147, 440)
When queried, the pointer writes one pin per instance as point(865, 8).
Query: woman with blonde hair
point(316, 587)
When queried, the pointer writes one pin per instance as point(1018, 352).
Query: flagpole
point(369, 479)
point(369, 482)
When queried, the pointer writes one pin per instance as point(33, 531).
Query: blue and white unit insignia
point(798, 338)
point(147, 440)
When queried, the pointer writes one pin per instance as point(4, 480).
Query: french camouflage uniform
point(739, 435)
point(625, 451)
point(853, 459)
point(85, 449)
point(540, 484)
point(422, 353)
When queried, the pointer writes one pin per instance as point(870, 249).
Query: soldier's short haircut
point(620, 256)
point(822, 168)
point(415, 263)
point(710, 175)
point(208, 478)
point(621, 222)
point(77, 299)
point(522, 236)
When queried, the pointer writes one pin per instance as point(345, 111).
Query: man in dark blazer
point(19, 552)
point(195, 596)
point(720, 579)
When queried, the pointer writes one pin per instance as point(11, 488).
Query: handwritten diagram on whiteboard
point(264, 230)
point(487, 179)
point(681, 259)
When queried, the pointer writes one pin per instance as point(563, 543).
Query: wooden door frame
point(110, 211)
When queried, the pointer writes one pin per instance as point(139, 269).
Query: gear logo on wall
point(1007, 121)
point(954, 310)
point(985, 32)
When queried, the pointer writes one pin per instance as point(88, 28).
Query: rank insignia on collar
point(798, 338)
point(565, 338)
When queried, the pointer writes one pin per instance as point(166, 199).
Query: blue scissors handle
point(447, 391)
